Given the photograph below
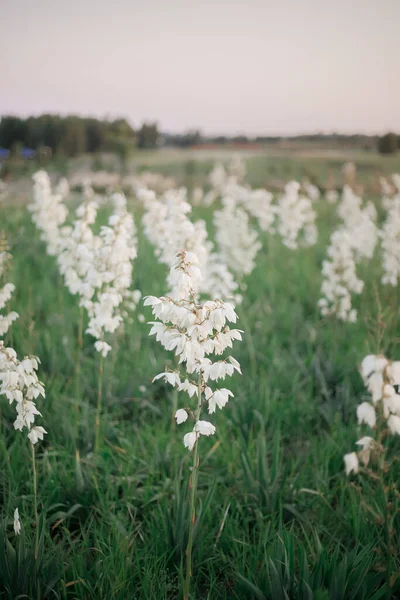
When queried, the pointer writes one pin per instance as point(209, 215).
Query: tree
point(388, 143)
point(148, 135)
point(13, 131)
point(96, 134)
point(74, 138)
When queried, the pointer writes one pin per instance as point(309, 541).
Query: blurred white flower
point(189, 440)
point(17, 522)
point(204, 428)
point(36, 434)
point(181, 416)
point(366, 414)
point(351, 463)
point(194, 331)
point(394, 424)
point(365, 442)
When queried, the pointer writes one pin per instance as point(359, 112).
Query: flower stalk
point(193, 479)
point(33, 455)
point(194, 330)
point(99, 403)
point(382, 415)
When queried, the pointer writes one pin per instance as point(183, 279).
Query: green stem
point(35, 501)
point(193, 489)
point(174, 406)
point(388, 540)
point(78, 360)
point(385, 494)
point(99, 402)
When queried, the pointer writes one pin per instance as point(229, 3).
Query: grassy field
point(278, 518)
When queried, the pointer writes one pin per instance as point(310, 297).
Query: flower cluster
point(96, 267)
point(168, 227)
point(311, 190)
point(48, 210)
point(77, 248)
point(390, 243)
point(331, 196)
point(18, 379)
point(221, 179)
point(359, 221)
point(6, 292)
point(194, 331)
point(258, 203)
point(20, 384)
point(355, 240)
point(296, 218)
point(110, 275)
point(339, 278)
point(237, 242)
point(382, 414)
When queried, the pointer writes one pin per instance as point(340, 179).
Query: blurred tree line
point(389, 143)
point(73, 135)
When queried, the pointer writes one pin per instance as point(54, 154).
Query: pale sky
point(255, 67)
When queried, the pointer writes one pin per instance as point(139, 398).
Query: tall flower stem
point(174, 407)
point(99, 402)
point(78, 360)
point(193, 489)
point(35, 501)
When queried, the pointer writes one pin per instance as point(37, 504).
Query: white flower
point(394, 424)
point(365, 442)
point(237, 242)
point(48, 211)
point(204, 428)
point(394, 372)
point(351, 463)
point(368, 366)
point(366, 414)
point(5, 295)
point(36, 434)
point(187, 386)
point(194, 330)
point(372, 364)
point(218, 398)
point(20, 384)
point(375, 386)
point(390, 242)
point(17, 522)
point(171, 377)
point(391, 400)
point(296, 218)
point(189, 440)
point(339, 278)
point(181, 416)
point(102, 347)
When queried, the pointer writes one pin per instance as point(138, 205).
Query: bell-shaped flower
point(394, 372)
point(351, 463)
point(366, 414)
point(189, 440)
point(181, 416)
point(36, 434)
point(394, 424)
point(204, 428)
point(171, 377)
point(365, 442)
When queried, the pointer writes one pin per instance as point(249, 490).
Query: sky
point(253, 67)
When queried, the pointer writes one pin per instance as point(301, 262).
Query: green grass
point(277, 516)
